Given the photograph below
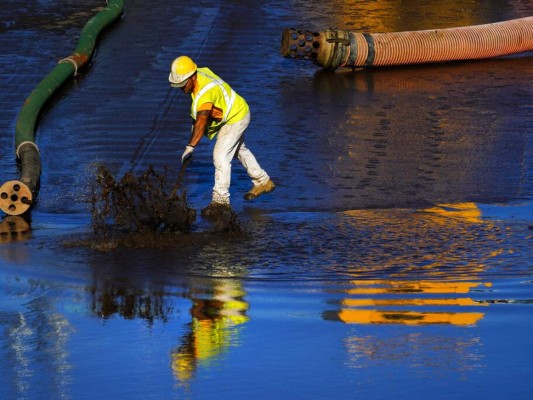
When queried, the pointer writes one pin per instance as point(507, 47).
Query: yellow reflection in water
point(213, 328)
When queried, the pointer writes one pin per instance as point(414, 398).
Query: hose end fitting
point(15, 197)
point(328, 49)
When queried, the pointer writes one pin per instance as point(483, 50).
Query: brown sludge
point(145, 211)
point(139, 204)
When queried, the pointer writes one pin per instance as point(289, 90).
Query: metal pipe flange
point(15, 198)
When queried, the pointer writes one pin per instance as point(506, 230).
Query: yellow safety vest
point(214, 90)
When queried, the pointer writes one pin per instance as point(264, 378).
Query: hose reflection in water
point(14, 228)
point(385, 309)
point(413, 304)
point(428, 354)
point(409, 304)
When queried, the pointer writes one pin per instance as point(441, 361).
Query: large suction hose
point(16, 197)
point(335, 48)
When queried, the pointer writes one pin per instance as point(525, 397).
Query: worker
point(218, 111)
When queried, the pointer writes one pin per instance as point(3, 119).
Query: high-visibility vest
point(214, 90)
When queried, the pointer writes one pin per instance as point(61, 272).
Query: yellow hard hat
point(181, 69)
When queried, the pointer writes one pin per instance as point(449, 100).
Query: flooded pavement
point(393, 259)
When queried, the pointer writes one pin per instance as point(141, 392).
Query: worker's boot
point(258, 190)
point(215, 210)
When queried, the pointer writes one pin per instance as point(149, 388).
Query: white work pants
point(230, 143)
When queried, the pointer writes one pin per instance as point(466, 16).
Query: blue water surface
point(393, 259)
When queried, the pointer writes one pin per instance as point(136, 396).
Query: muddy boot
point(258, 190)
point(221, 217)
point(216, 210)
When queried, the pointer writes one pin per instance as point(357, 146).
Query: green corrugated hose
point(26, 150)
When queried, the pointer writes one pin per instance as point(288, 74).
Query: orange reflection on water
point(441, 242)
point(391, 310)
point(409, 302)
point(385, 286)
point(14, 228)
point(397, 15)
point(408, 317)
point(417, 302)
point(464, 212)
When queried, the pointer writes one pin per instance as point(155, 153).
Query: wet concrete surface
point(420, 174)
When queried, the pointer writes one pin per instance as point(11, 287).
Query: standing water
point(392, 261)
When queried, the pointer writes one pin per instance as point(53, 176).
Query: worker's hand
point(187, 154)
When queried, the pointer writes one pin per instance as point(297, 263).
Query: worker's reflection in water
point(218, 311)
point(214, 328)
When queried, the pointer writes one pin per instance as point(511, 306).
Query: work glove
point(187, 154)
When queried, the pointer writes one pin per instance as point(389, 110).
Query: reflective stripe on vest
point(228, 98)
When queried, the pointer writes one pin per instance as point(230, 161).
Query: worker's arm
point(198, 129)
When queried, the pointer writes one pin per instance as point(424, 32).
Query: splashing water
point(146, 211)
point(139, 203)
